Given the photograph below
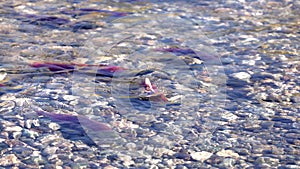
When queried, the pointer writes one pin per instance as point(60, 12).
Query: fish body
point(86, 11)
point(80, 120)
point(151, 90)
point(153, 94)
point(52, 66)
point(176, 50)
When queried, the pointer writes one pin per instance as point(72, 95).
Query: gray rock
point(228, 153)
point(30, 133)
point(201, 156)
point(242, 151)
point(127, 160)
point(242, 76)
point(228, 163)
point(3, 74)
point(8, 160)
point(16, 134)
point(50, 150)
point(54, 126)
point(130, 146)
point(13, 128)
point(267, 160)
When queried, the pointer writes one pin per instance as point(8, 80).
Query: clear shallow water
point(190, 51)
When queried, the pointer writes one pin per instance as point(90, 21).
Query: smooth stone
point(8, 160)
point(22, 152)
point(229, 116)
point(228, 163)
point(30, 133)
point(267, 124)
point(215, 159)
point(50, 150)
point(268, 160)
point(54, 126)
point(183, 154)
point(201, 156)
point(242, 76)
point(243, 151)
point(29, 123)
point(110, 167)
point(130, 146)
point(127, 160)
point(13, 128)
point(36, 157)
point(228, 153)
point(249, 62)
point(70, 97)
point(16, 134)
point(3, 74)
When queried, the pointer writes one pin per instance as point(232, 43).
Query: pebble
point(228, 163)
point(229, 116)
point(228, 153)
point(16, 134)
point(8, 160)
point(70, 97)
point(30, 133)
point(50, 150)
point(201, 156)
point(183, 154)
point(243, 151)
point(130, 146)
point(13, 128)
point(22, 152)
point(242, 76)
point(54, 126)
point(127, 160)
point(110, 167)
point(36, 157)
point(3, 74)
point(267, 160)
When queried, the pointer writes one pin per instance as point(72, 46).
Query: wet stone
point(267, 124)
point(54, 126)
point(50, 150)
point(113, 157)
point(263, 166)
point(215, 160)
point(244, 76)
point(84, 25)
point(8, 160)
point(30, 133)
point(22, 152)
point(228, 163)
point(158, 126)
point(183, 155)
point(267, 160)
point(227, 153)
point(201, 156)
point(242, 151)
point(3, 74)
point(13, 128)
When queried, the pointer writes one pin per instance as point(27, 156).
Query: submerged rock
point(201, 156)
point(242, 76)
point(8, 160)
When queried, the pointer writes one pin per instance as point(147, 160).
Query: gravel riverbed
point(230, 70)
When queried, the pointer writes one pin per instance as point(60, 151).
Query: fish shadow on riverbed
point(75, 132)
point(81, 128)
